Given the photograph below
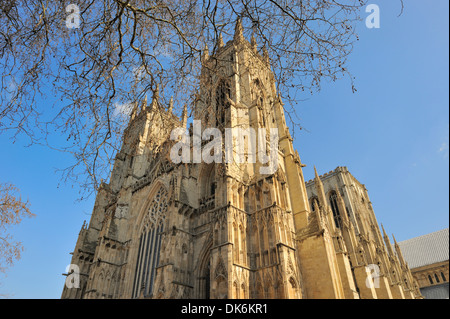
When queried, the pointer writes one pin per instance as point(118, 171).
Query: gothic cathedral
point(223, 229)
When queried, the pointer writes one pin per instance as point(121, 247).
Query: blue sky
point(392, 134)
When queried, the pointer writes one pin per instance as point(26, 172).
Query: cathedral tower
point(230, 217)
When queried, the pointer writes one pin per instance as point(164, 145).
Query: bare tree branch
point(12, 211)
point(124, 49)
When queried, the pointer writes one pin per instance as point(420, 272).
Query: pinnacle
point(253, 43)
point(266, 54)
point(205, 53)
point(170, 104)
point(238, 31)
point(394, 240)
point(315, 172)
point(220, 41)
point(144, 102)
point(184, 115)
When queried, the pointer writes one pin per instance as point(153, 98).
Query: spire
point(184, 115)
point(238, 31)
point(144, 103)
point(399, 252)
point(134, 112)
point(254, 44)
point(387, 242)
point(220, 41)
point(170, 105)
point(341, 205)
point(384, 232)
point(316, 211)
point(319, 189)
point(205, 53)
point(316, 176)
point(280, 100)
point(266, 54)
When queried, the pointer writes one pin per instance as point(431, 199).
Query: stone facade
point(354, 229)
point(433, 275)
point(162, 229)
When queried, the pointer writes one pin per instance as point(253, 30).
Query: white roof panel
point(426, 250)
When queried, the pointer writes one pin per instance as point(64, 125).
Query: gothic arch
point(258, 90)
point(222, 94)
point(236, 290)
point(147, 236)
point(259, 291)
point(203, 272)
point(156, 186)
point(314, 203)
point(207, 180)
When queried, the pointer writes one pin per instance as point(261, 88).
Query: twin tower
point(161, 229)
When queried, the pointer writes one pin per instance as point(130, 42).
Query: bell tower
point(253, 252)
point(234, 221)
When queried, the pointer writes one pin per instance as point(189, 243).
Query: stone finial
point(184, 115)
point(205, 53)
point(170, 109)
point(238, 31)
point(399, 252)
point(387, 242)
point(144, 103)
point(319, 189)
point(316, 175)
point(266, 55)
point(134, 112)
point(254, 44)
point(220, 41)
point(384, 232)
point(280, 100)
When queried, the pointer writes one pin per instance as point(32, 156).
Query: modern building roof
point(426, 250)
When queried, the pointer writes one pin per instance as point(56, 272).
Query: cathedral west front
point(231, 229)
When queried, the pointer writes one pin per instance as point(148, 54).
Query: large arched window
point(335, 209)
point(222, 92)
point(149, 245)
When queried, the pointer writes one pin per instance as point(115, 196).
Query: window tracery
point(150, 244)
